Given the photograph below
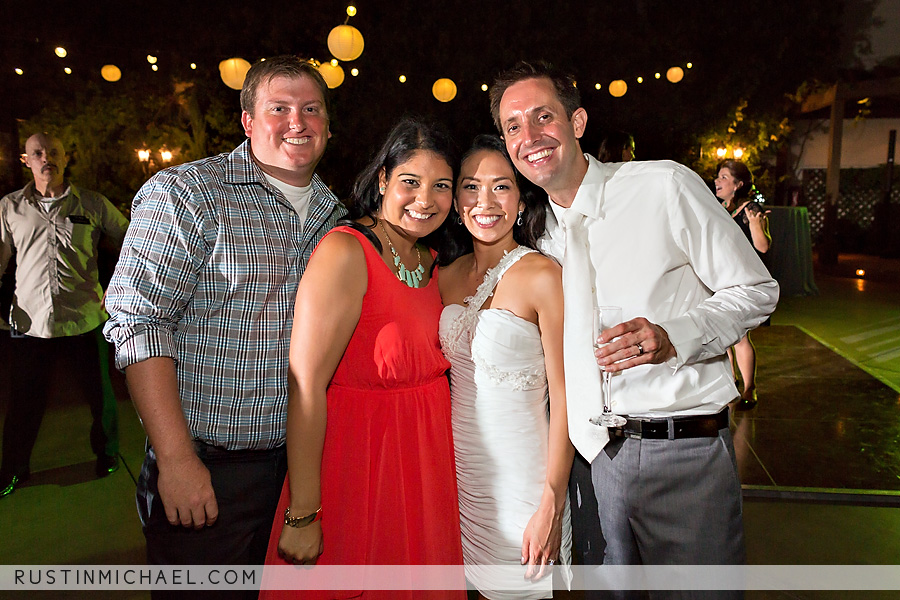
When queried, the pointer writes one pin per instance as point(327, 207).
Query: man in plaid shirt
point(201, 307)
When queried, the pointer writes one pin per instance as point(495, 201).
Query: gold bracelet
point(301, 521)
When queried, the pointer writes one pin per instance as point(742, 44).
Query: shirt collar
point(31, 194)
point(590, 196)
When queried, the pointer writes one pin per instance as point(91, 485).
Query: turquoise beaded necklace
point(411, 278)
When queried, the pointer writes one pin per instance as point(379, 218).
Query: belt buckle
point(633, 429)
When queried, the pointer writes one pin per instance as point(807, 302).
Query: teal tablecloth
point(790, 257)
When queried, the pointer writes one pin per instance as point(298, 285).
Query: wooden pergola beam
point(835, 97)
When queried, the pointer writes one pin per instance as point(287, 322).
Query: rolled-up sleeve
point(743, 291)
point(157, 273)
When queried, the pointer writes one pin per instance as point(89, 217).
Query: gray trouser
point(670, 502)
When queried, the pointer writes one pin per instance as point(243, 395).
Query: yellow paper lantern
point(444, 89)
point(233, 71)
point(618, 88)
point(345, 42)
point(332, 74)
point(675, 74)
point(111, 73)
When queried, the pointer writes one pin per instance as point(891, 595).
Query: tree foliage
point(103, 130)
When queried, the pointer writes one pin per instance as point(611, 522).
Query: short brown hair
point(564, 83)
point(286, 65)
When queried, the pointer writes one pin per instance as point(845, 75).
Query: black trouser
point(83, 361)
point(247, 484)
point(588, 544)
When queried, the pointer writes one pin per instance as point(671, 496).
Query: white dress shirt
point(654, 240)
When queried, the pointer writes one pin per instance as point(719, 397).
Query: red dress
point(388, 475)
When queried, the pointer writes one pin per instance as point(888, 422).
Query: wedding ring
point(640, 349)
point(551, 562)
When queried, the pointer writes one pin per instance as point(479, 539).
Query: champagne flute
point(604, 318)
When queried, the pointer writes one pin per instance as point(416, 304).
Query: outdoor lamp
point(444, 89)
point(345, 42)
point(233, 71)
point(332, 73)
point(111, 73)
point(675, 74)
point(618, 88)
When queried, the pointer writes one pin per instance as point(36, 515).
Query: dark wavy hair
point(408, 136)
point(458, 241)
point(563, 83)
point(613, 146)
point(740, 172)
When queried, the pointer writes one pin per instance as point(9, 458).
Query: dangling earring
point(519, 220)
point(459, 220)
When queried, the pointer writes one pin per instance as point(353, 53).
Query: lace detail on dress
point(462, 329)
point(518, 380)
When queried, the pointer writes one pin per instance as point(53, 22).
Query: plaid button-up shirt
point(208, 276)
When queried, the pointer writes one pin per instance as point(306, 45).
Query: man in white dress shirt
point(651, 238)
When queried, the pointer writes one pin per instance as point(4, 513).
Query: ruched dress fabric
point(500, 415)
point(388, 477)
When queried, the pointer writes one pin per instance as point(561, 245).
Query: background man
point(57, 312)
point(201, 307)
point(651, 238)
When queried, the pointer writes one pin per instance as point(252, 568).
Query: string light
point(351, 10)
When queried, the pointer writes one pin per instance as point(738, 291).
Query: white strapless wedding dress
point(498, 387)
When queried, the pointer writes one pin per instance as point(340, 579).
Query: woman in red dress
point(371, 475)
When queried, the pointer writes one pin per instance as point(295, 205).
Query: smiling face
point(417, 194)
point(727, 185)
point(487, 197)
point(541, 139)
point(288, 129)
point(46, 158)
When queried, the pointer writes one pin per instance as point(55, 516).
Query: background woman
point(733, 184)
point(502, 332)
point(377, 485)
point(616, 146)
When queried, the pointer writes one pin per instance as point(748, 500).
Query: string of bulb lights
point(346, 44)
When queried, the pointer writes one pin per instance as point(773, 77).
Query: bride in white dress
point(501, 330)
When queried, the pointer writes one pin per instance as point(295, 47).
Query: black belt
point(682, 427)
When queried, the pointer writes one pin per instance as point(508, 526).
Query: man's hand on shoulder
point(185, 488)
point(632, 343)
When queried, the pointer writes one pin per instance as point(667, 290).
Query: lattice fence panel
point(860, 193)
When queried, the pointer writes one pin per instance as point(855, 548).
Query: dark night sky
point(757, 50)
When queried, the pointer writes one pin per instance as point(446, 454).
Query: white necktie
point(582, 373)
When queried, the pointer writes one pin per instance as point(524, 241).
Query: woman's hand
point(541, 541)
point(301, 545)
point(759, 229)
